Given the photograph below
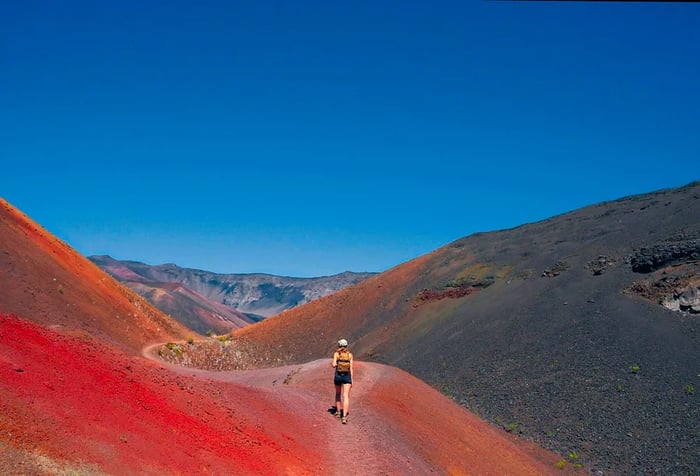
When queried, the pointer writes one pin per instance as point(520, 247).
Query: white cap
point(342, 343)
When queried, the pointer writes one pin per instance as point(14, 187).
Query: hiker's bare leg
point(337, 399)
point(346, 398)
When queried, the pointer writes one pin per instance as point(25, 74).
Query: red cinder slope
point(46, 281)
point(76, 403)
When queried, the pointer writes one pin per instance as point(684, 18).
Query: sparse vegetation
point(689, 389)
point(445, 390)
point(174, 348)
point(574, 459)
point(217, 355)
point(635, 368)
point(469, 281)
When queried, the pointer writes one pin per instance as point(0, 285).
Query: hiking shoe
point(344, 420)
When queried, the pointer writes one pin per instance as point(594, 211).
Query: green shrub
point(174, 348)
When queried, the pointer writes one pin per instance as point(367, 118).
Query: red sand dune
point(77, 395)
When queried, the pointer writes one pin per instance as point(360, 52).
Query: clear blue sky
point(309, 138)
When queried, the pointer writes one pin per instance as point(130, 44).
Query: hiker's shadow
point(333, 411)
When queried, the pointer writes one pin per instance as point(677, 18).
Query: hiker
point(342, 363)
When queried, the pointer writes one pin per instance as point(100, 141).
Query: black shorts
point(340, 379)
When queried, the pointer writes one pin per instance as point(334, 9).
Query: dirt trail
point(415, 431)
point(363, 446)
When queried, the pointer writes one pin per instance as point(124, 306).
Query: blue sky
point(309, 138)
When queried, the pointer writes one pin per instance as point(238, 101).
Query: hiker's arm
point(335, 360)
point(352, 369)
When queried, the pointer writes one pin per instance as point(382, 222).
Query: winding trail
point(397, 424)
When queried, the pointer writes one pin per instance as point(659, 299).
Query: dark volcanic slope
point(553, 330)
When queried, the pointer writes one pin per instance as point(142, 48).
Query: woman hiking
point(342, 363)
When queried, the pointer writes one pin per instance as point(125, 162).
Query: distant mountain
point(190, 308)
point(580, 332)
point(206, 301)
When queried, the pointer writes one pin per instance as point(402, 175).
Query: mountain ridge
point(246, 297)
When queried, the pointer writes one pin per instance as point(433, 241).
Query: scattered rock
point(600, 264)
point(558, 268)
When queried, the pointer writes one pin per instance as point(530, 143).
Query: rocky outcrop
point(686, 299)
point(649, 259)
point(674, 273)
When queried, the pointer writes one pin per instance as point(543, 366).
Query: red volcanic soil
point(81, 403)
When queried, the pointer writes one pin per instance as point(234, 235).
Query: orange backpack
point(343, 361)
